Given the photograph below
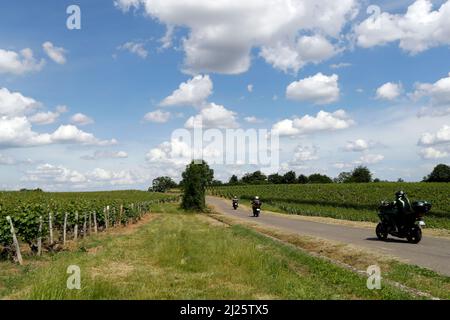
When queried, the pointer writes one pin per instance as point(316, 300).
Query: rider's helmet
point(256, 198)
point(400, 194)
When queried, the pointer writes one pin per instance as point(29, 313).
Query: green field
point(357, 202)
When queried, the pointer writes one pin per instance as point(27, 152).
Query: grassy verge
point(414, 277)
point(185, 256)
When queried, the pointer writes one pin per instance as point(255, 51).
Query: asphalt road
point(431, 253)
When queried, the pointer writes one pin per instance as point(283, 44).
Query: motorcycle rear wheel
point(381, 232)
point(415, 235)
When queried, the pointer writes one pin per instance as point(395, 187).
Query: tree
point(361, 174)
point(196, 178)
point(38, 190)
point(290, 177)
point(275, 179)
point(302, 179)
point(233, 180)
point(163, 184)
point(216, 183)
point(256, 177)
point(441, 173)
point(319, 178)
point(344, 177)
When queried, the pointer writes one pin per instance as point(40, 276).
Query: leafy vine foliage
point(31, 213)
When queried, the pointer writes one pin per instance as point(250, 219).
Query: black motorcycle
point(235, 204)
point(256, 211)
point(410, 226)
point(256, 206)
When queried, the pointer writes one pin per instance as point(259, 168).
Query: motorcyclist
point(256, 203)
point(235, 200)
point(403, 206)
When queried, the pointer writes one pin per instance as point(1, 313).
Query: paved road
point(432, 253)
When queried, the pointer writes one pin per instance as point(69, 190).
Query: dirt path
point(431, 253)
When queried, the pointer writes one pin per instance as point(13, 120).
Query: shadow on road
point(391, 240)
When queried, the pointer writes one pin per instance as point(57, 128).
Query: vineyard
point(47, 220)
point(357, 202)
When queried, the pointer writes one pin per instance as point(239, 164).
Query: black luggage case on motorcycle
point(421, 207)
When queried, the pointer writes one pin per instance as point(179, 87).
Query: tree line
point(361, 174)
point(358, 175)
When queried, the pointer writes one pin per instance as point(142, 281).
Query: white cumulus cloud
point(71, 134)
point(57, 176)
point(291, 58)
point(81, 119)
point(389, 91)
point(15, 104)
point(57, 54)
point(213, 116)
point(137, 48)
point(44, 118)
point(221, 34)
point(157, 116)
point(194, 92)
point(438, 95)
point(370, 159)
point(432, 153)
point(98, 155)
point(253, 120)
point(323, 121)
point(319, 89)
point(19, 63)
point(442, 136)
point(417, 30)
point(357, 145)
point(305, 153)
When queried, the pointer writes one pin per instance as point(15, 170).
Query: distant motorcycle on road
point(235, 204)
point(256, 206)
point(410, 226)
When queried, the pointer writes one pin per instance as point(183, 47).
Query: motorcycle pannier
point(421, 207)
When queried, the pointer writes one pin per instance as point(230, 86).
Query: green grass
point(412, 276)
point(422, 279)
point(356, 202)
point(182, 256)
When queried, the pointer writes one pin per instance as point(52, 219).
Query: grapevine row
point(43, 220)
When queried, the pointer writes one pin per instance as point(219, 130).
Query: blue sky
point(364, 90)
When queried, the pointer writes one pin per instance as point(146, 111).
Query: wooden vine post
point(15, 241)
point(95, 222)
point(50, 227)
point(75, 231)
point(106, 214)
point(84, 226)
point(39, 242)
point(65, 229)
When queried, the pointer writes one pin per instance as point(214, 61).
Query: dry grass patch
point(113, 270)
point(132, 228)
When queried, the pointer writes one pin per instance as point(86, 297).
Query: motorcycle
point(411, 226)
point(235, 205)
point(256, 212)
